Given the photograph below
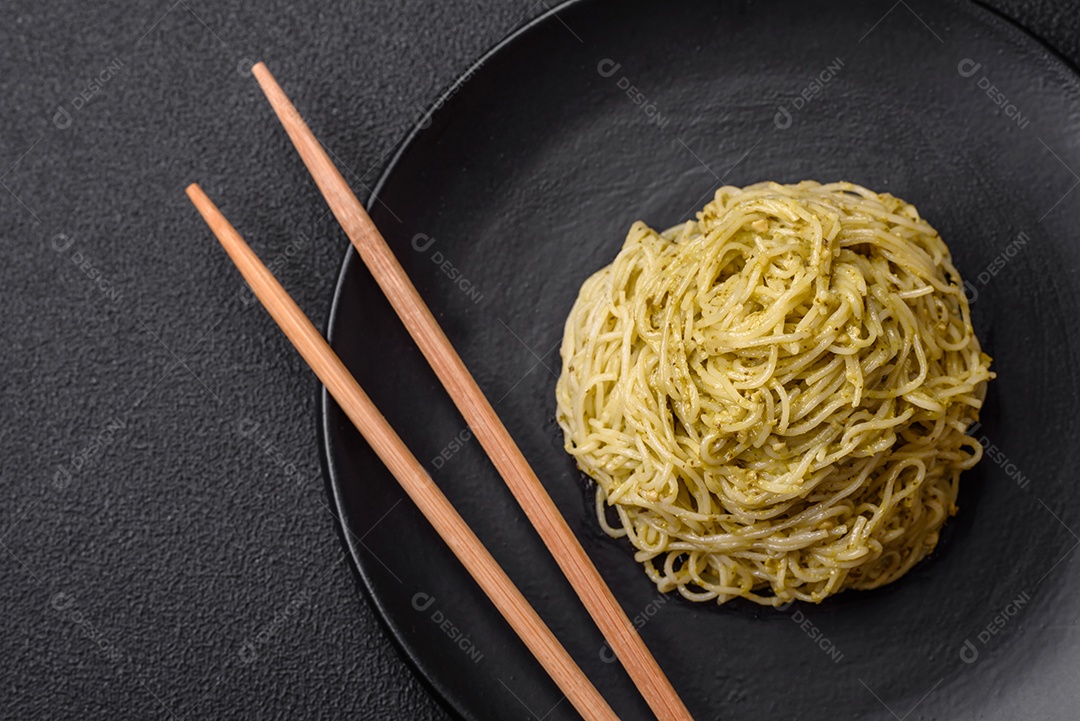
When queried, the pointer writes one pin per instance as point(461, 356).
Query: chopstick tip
point(195, 193)
point(219, 224)
point(260, 71)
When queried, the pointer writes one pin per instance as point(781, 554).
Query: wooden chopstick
point(477, 411)
point(406, 468)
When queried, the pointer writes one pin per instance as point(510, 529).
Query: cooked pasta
point(774, 398)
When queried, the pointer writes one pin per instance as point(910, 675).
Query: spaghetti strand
point(774, 398)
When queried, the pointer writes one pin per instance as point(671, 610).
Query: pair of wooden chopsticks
point(478, 413)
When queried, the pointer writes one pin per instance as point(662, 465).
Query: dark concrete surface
point(167, 549)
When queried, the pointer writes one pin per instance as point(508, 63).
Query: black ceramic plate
point(525, 181)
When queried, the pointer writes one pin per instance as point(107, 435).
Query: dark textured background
point(167, 550)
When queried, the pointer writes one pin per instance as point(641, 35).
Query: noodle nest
point(773, 399)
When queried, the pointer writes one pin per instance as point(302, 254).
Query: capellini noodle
point(774, 398)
